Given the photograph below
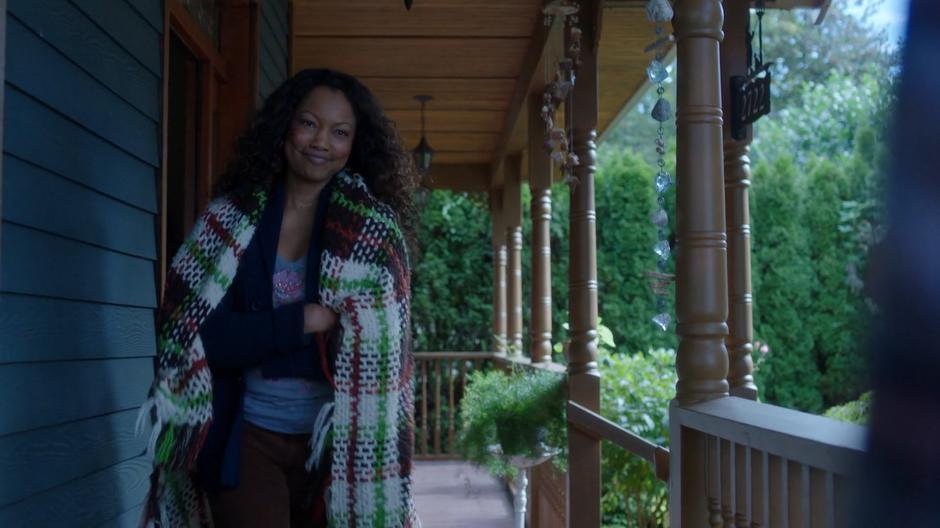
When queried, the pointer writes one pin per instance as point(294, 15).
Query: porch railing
point(601, 428)
point(741, 463)
point(440, 382)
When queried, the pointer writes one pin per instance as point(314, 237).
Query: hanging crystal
point(656, 72)
point(663, 181)
point(658, 11)
point(662, 321)
point(659, 218)
point(662, 249)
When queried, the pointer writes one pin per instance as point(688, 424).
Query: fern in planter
point(522, 411)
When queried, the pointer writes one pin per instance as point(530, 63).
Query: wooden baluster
point(759, 490)
point(424, 407)
point(805, 497)
point(841, 500)
point(463, 379)
point(820, 498)
point(742, 517)
point(713, 479)
point(451, 407)
point(727, 484)
point(795, 495)
point(777, 492)
point(437, 407)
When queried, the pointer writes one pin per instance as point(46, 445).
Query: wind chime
point(658, 12)
point(558, 140)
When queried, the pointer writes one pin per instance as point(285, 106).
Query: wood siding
point(81, 157)
point(273, 48)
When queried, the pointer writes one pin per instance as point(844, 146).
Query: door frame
point(213, 70)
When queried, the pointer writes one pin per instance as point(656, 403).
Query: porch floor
point(457, 494)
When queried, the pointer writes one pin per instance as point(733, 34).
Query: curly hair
point(377, 152)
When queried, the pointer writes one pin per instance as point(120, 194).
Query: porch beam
point(520, 92)
point(512, 211)
point(467, 177)
point(540, 183)
point(737, 182)
point(499, 271)
point(584, 476)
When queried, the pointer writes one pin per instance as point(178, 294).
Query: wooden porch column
point(499, 272)
point(701, 253)
point(540, 182)
point(737, 182)
point(512, 218)
point(584, 473)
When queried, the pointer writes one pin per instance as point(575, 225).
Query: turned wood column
point(512, 218)
point(540, 182)
point(701, 248)
point(737, 182)
point(499, 271)
point(701, 253)
point(584, 477)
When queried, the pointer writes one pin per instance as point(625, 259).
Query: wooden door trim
point(213, 70)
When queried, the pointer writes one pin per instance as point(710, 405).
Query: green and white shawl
point(364, 277)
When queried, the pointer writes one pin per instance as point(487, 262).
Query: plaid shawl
point(364, 278)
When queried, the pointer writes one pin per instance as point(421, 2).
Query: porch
point(732, 461)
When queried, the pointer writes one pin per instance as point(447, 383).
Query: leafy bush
point(856, 411)
point(635, 394)
point(451, 305)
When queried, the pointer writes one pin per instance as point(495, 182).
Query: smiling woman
point(320, 138)
point(285, 319)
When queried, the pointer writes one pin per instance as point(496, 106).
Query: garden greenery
point(522, 411)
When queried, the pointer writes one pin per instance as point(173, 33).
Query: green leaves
point(516, 410)
point(635, 394)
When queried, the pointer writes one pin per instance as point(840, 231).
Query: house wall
point(273, 50)
point(81, 157)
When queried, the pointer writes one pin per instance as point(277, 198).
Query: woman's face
point(320, 137)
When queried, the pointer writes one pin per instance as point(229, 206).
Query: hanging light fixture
point(423, 153)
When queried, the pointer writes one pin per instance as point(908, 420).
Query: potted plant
point(520, 413)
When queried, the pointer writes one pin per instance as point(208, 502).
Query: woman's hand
point(318, 318)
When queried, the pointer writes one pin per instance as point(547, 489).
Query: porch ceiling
point(478, 60)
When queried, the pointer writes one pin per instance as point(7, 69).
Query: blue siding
point(75, 211)
point(81, 41)
point(93, 330)
point(273, 66)
point(39, 460)
point(81, 157)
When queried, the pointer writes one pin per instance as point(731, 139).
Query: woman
point(307, 233)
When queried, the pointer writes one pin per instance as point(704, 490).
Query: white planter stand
point(522, 464)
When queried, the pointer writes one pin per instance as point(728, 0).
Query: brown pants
point(275, 490)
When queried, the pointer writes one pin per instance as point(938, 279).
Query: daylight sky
point(892, 15)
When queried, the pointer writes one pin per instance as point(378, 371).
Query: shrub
point(856, 411)
point(635, 394)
